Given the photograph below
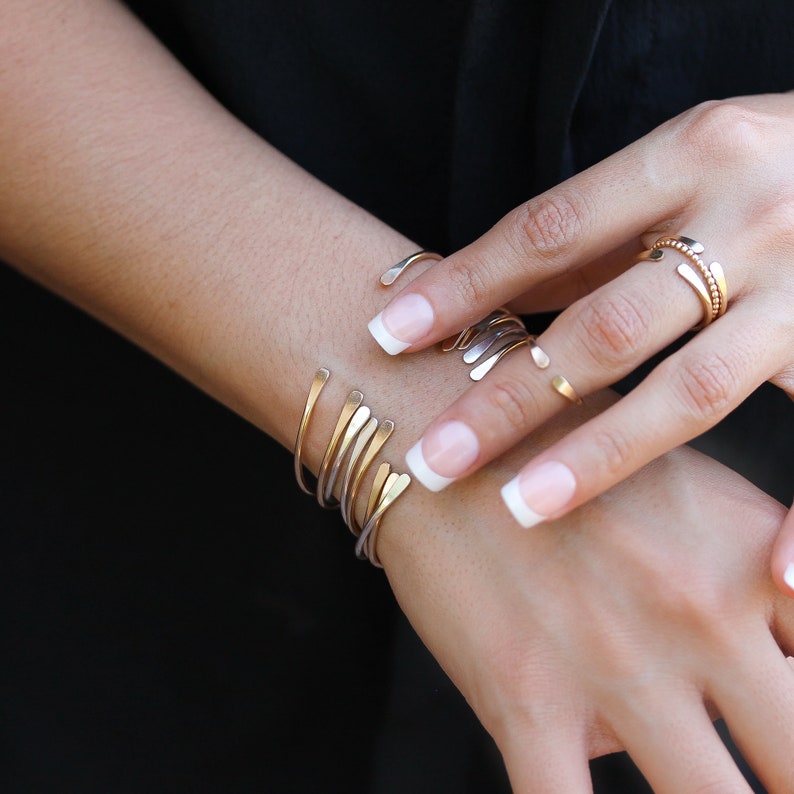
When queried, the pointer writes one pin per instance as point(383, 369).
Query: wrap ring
point(563, 386)
point(708, 281)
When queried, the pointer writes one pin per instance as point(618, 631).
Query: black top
point(177, 618)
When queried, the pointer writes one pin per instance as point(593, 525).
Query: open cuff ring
point(707, 281)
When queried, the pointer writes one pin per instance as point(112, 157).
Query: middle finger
point(605, 335)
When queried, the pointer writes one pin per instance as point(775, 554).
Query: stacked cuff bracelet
point(356, 440)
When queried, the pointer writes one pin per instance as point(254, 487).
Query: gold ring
point(708, 282)
point(565, 389)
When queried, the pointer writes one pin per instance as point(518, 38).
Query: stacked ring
point(708, 282)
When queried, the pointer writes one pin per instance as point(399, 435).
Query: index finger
point(583, 218)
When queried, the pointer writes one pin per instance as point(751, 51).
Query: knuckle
point(614, 450)
point(707, 385)
point(515, 401)
point(469, 280)
point(687, 600)
point(697, 602)
point(725, 129)
point(549, 225)
point(775, 216)
point(611, 329)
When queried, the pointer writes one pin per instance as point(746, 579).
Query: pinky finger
point(682, 753)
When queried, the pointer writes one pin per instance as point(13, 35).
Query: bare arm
point(128, 190)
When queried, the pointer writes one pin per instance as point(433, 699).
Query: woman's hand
point(722, 173)
point(130, 192)
point(631, 623)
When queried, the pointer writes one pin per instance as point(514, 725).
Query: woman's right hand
point(630, 624)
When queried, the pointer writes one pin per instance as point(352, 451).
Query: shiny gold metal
point(695, 281)
point(357, 438)
point(393, 486)
point(377, 486)
point(319, 380)
point(565, 389)
point(360, 461)
point(354, 427)
point(711, 277)
point(354, 400)
point(722, 284)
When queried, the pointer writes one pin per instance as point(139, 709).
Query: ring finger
point(604, 336)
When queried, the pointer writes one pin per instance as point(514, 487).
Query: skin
point(555, 637)
point(722, 173)
point(132, 193)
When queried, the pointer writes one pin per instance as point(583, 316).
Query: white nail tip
point(419, 468)
point(518, 507)
point(389, 343)
point(788, 575)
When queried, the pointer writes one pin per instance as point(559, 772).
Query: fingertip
point(519, 509)
point(415, 460)
point(389, 343)
point(540, 493)
point(406, 321)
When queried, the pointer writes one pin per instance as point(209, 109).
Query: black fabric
point(656, 59)
point(176, 616)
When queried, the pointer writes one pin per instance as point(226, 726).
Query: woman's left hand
point(722, 174)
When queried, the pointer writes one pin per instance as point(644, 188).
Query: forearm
point(131, 192)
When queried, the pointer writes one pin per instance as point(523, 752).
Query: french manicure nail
point(535, 495)
point(404, 321)
point(443, 454)
point(788, 575)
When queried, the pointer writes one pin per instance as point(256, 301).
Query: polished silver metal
point(477, 340)
point(394, 272)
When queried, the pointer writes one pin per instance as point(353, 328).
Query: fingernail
point(404, 321)
point(788, 575)
point(443, 455)
point(539, 493)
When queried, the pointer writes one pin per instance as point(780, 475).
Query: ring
point(708, 282)
point(486, 342)
point(540, 358)
point(565, 389)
